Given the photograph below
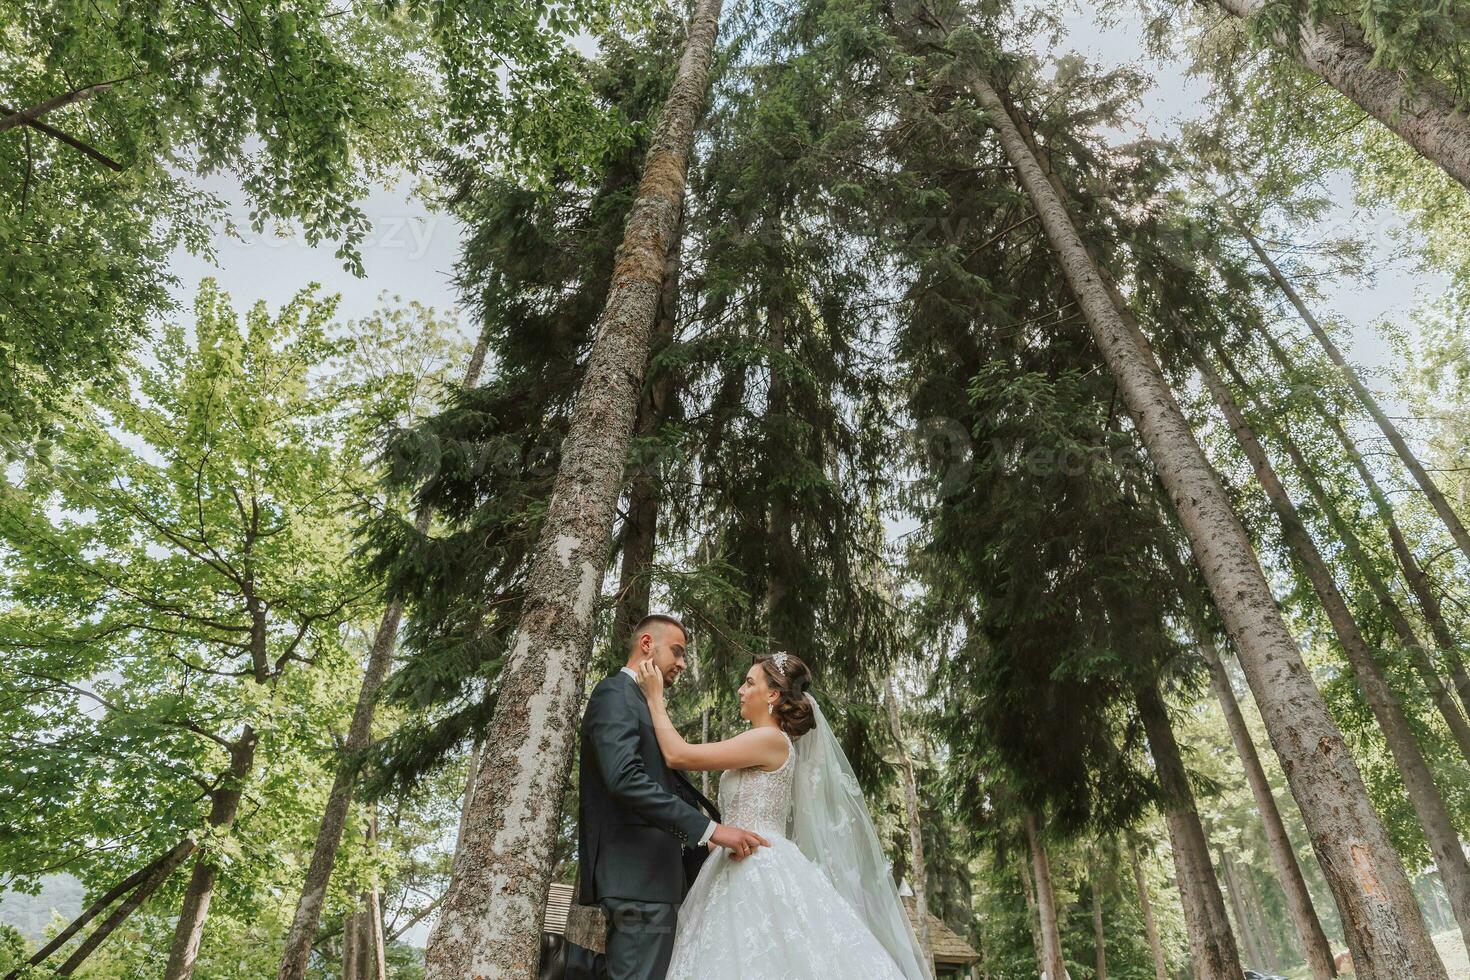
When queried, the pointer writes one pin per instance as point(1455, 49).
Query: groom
point(637, 817)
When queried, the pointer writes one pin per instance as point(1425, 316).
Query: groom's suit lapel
point(694, 795)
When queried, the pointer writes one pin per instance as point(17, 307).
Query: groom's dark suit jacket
point(636, 816)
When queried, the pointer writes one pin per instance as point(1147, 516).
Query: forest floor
point(1451, 950)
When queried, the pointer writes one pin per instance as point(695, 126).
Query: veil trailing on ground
point(830, 823)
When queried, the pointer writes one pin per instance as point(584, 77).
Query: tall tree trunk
point(1243, 923)
point(359, 736)
point(1211, 942)
point(1409, 640)
point(490, 922)
point(1315, 947)
point(1414, 573)
point(1046, 903)
point(1430, 807)
point(1386, 933)
point(1270, 938)
point(640, 531)
point(352, 946)
point(1385, 424)
point(918, 870)
point(1146, 905)
point(375, 960)
point(1421, 110)
point(1099, 936)
point(222, 811)
point(1033, 920)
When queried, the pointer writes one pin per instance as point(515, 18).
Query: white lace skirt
point(773, 916)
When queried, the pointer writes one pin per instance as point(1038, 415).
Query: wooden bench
point(584, 925)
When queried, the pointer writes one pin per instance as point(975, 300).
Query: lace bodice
point(756, 800)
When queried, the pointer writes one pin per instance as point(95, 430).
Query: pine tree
point(1421, 109)
point(1388, 932)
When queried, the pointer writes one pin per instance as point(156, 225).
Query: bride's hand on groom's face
point(651, 679)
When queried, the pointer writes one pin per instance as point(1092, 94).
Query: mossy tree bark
point(490, 921)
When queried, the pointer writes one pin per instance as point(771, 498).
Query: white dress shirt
point(710, 830)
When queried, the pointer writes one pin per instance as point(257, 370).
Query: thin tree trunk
point(1099, 936)
point(1033, 921)
point(490, 922)
point(352, 946)
point(1150, 927)
point(1385, 930)
point(919, 869)
point(376, 962)
point(222, 811)
point(640, 531)
point(1211, 942)
point(372, 964)
point(469, 793)
point(1270, 937)
point(1243, 922)
point(1046, 903)
point(1385, 424)
point(1421, 110)
point(1428, 804)
point(128, 884)
point(779, 556)
point(1409, 640)
point(128, 906)
point(308, 913)
point(1414, 573)
point(1315, 947)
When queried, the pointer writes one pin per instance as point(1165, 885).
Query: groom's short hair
point(652, 618)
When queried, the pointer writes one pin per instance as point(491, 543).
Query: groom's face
point(664, 643)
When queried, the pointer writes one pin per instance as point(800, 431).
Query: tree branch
point(70, 141)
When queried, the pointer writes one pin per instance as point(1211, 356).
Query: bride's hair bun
point(790, 677)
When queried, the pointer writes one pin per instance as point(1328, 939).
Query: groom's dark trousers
point(637, 817)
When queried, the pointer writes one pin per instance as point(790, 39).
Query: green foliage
point(178, 577)
point(304, 104)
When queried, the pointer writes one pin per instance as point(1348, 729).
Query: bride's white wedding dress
point(775, 915)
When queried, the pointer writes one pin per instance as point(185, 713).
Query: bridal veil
point(831, 826)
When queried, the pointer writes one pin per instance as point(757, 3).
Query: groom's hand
point(741, 843)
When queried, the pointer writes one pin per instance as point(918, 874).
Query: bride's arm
point(762, 747)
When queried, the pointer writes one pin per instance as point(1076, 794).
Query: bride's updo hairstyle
point(787, 675)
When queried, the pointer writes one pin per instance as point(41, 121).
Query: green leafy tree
point(178, 595)
point(113, 113)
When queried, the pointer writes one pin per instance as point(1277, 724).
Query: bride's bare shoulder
point(772, 742)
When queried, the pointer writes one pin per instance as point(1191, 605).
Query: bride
point(819, 902)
